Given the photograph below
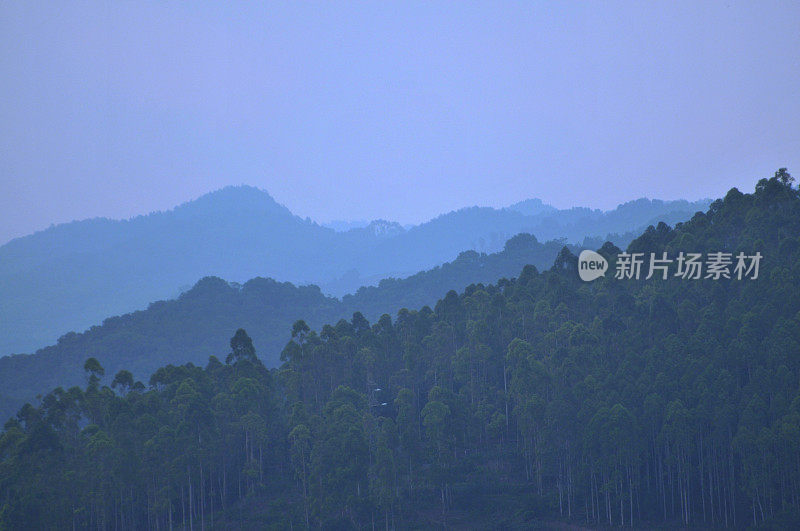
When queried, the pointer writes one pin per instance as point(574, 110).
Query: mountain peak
point(532, 207)
point(235, 198)
point(242, 192)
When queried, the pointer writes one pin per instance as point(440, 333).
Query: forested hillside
point(198, 323)
point(72, 276)
point(543, 398)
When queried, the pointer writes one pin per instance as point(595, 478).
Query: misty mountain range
point(73, 275)
point(195, 325)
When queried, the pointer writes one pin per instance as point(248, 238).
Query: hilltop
point(72, 276)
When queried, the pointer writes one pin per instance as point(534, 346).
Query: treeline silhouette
point(541, 398)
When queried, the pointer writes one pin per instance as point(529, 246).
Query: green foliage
point(195, 325)
point(668, 403)
point(73, 275)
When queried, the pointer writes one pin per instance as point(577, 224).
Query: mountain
point(471, 267)
point(541, 401)
point(73, 275)
point(487, 229)
point(341, 225)
point(194, 326)
point(533, 207)
point(70, 276)
point(631, 216)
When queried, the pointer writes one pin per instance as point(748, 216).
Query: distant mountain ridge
point(195, 325)
point(532, 207)
point(73, 275)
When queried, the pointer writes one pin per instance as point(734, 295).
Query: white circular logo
point(591, 265)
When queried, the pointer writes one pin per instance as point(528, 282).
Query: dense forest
point(198, 323)
point(529, 401)
point(72, 276)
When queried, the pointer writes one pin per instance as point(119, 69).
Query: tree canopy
point(523, 402)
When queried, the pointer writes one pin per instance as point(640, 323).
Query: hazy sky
point(401, 111)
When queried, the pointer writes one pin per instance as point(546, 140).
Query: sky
point(399, 111)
